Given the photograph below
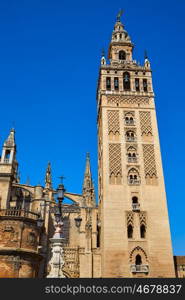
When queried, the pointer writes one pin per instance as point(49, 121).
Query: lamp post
point(60, 192)
point(57, 259)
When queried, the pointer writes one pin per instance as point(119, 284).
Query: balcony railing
point(135, 206)
point(132, 159)
point(130, 139)
point(134, 181)
point(128, 122)
point(16, 212)
point(139, 268)
point(6, 160)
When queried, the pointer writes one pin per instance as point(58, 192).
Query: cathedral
point(125, 235)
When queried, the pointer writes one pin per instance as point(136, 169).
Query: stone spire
point(48, 178)
point(9, 149)
point(10, 141)
point(88, 186)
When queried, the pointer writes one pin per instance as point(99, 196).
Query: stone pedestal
point(57, 261)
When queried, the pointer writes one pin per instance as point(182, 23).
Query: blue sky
point(49, 60)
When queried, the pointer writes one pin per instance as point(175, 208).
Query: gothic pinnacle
point(87, 167)
point(10, 142)
point(48, 178)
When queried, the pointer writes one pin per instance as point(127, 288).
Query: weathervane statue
point(119, 15)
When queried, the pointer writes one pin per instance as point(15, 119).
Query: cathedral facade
point(127, 234)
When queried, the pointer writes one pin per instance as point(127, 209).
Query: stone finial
point(103, 59)
point(147, 62)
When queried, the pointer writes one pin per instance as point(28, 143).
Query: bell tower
point(135, 234)
point(8, 169)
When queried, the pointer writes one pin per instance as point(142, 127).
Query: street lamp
point(57, 214)
point(60, 192)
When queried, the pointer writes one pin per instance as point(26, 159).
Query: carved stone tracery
point(71, 262)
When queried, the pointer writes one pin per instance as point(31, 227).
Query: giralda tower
point(135, 234)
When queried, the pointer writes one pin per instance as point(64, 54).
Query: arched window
point(143, 231)
point(134, 199)
point(130, 136)
point(132, 154)
point(122, 55)
point(98, 237)
point(108, 83)
point(138, 260)
point(135, 204)
point(126, 81)
point(130, 231)
point(131, 120)
point(116, 83)
point(145, 86)
point(133, 177)
point(7, 156)
point(132, 157)
point(137, 84)
point(127, 120)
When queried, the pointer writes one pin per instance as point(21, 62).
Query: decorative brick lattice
point(145, 122)
point(130, 218)
point(112, 99)
point(142, 218)
point(149, 160)
point(115, 166)
point(113, 121)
